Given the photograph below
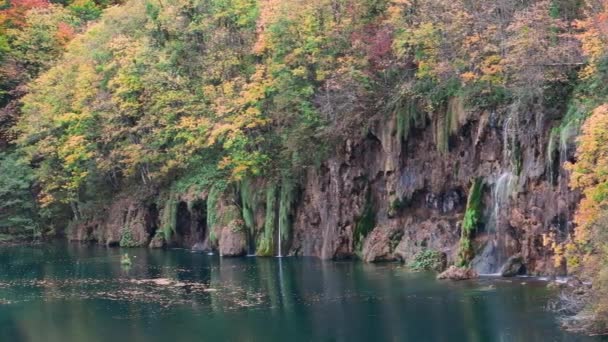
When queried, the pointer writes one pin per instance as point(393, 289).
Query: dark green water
point(81, 293)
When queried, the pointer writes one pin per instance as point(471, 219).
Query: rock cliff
point(383, 196)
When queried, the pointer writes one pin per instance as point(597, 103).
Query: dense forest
point(227, 116)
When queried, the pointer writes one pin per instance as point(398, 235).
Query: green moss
point(442, 131)
point(365, 223)
point(212, 212)
point(126, 238)
point(249, 204)
point(286, 201)
point(428, 260)
point(265, 246)
point(408, 116)
point(484, 95)
point(470, 223)
point(169, 217)
point(396, 204)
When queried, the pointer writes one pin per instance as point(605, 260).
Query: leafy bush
point(428, 260)
point(126, 238)
point(18, 210)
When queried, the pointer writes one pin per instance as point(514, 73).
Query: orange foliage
point(590, 174)
point(64, 33)
point(14, 16)
point(594, 37)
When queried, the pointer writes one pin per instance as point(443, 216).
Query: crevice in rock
point(152, 220)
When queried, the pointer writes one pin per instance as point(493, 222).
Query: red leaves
point(15, 15)
point(377, 43)
point(64, 33)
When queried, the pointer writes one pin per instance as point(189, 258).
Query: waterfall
point(494, 253)
point(504, 187)
point(279, 243)
point(506, 142)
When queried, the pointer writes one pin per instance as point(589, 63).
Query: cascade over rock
point(381, 198)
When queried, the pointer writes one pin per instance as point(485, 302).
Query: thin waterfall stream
point(494, 254)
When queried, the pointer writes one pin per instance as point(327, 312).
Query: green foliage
point(18, 210)
point(484, 95)
point(365, 223)
point(286, 202)
point(86, 10)
point(409, 116)
point(265, 241)
point(126, 238)
point(249, 204)
point(213, 216)
point(149, 108)
point(473, 212)
point(32, 47)
point(470, 223)
point(427, 260)
point(168, 219)
point(125, 260)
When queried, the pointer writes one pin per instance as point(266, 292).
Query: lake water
point(68, 292)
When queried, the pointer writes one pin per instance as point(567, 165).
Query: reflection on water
point(81, 293)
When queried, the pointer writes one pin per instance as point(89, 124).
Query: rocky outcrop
point(418, 192)
point(458, 273)
point(381, 243)
point(158, 241)
point(232, 240)
point(514, 266)
point(384, 196)
point(127, 222)
point(230, 231)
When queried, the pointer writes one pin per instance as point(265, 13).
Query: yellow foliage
point(590, 175)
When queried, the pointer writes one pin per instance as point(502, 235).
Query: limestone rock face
point(128, 222)
point(416, 194)
point(380, 244)
point(421, 192)
point(230, 229)
point(199, 247)
point(158, 241)
point(233, 241)
point(514, 266)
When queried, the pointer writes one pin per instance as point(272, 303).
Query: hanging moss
point(265, 245)
point(365, 223)
point(408, 116)
point(448, 121)
point(456, 114)
point(442, 132)
point(249, 204)
point(470, 223)
point(212, 212)
point(169, 217)
point(286, 201)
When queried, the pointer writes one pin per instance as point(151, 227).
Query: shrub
point(428, 260)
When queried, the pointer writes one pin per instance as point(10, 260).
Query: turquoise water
point(81, 293)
